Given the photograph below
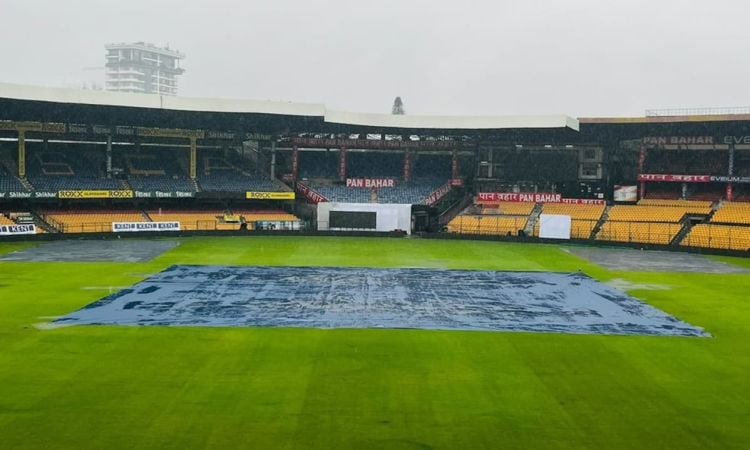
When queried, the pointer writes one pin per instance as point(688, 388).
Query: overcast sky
point(461, 57)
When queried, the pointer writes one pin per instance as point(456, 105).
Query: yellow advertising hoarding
point(94, 194)
point(269, 195)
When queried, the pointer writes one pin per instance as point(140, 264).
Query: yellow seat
point(640, 232)
point(489, 225)
point(723, 237)
point(734, 213)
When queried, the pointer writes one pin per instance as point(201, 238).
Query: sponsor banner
point(731, 179)
point(170, 133)
point(375, 144)
point(13, 230)
point(658, 141)
point(134, 227)
point(48, 127)
point(39, 194)
point(582, 201)
point(661, 178)
point(309, 194)
point(626, 193)
point(220, 135)
point(258, 137)
point(441, 192)
point(370, 183)
point(269, 195)
point(494, 197)
point(163, 194)
point(94, 194)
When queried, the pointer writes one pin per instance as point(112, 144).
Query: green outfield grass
point(180, 388)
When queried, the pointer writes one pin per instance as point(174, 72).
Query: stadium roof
point(302, 110)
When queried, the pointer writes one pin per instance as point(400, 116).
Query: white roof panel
point(102, 98)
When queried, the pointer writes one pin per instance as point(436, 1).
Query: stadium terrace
point(75, 162)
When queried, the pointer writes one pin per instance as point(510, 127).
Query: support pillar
point(642, 159)
point(273, 158)
point(684, 191)
point(342, 164)
point(22, 153)
point(729, 190)
point(454, 164)
point(643, 190)
point(193, 158)
point(109, 156)
point(295, 162)
point(407, 166)
point(490, 160)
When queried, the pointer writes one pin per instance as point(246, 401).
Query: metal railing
point(198, 225)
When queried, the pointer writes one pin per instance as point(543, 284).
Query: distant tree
point(398, 107)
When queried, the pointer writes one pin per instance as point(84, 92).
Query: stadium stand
point(220, 173)
point(318, 164)
point(638, 232)
point(194, 220)
point(650, 213)
point(9, 182)
point(509, 208)
point(157, 170)
point(374, 165)
point(413, 192)
point(487, 225)
point(583, 218)
point(89, 222)
point(723, 237)
point(732, 213)
point(68, 168)
point(432, 166)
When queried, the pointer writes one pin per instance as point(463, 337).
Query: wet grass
point(120, 387)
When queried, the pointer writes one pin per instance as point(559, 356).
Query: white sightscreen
point(552, 226)
point(389, 216)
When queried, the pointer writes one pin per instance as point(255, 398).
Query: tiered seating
point(5, 221)
point(641, 213)
point(158, 170)
point(219, 174)
point(89, 222)
point(437, 166)
point(583, 217)
point(639, 232)
point(414, 192)
point(510, 208)
point(271, 216)
point(735, 213)
point(318, 164)
point(67, 169)
point(700, 204)
point(9, 182)
point(374, 165)
point(492, 225)
point(195, 220)
point(724, 237)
